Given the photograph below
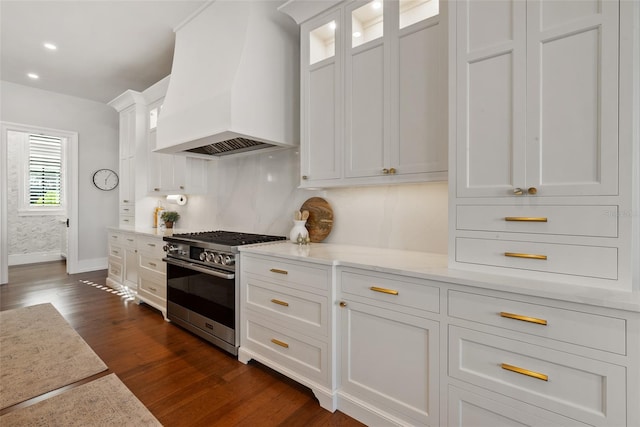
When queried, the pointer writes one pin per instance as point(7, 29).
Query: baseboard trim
point(85, 265)
point(32, 258)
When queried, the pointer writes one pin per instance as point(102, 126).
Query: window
point(44, 181)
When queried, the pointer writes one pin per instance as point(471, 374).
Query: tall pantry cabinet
point(132, 108)
point(540, 139)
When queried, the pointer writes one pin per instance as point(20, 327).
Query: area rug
point(40, 352)
point(102, 402)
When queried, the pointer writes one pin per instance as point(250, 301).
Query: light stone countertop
point(431, 266)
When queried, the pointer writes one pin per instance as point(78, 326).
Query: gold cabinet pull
point(523, 318)
point(305, 177)
point(526, 219)
point(384, 291)
point(277, 270)
point(518, 191)
point(280, 343)
point(532, 191)
point(153, 245)
point(385, 171)
point(523, 371)
point(153, 264)
point(277, 301)
point(529, 256)
point(343, 304)
point(152, 289)
point(392, 171)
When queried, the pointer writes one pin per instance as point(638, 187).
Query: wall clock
point(105, 179)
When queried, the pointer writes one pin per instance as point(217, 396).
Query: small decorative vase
point(168, 224)
point(299, 231)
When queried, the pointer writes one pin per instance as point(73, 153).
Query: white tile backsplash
point(258, 193)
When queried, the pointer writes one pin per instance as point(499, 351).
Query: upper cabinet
point(168, 173)
point(537, 98)
point(542, 140)
point(374, 103)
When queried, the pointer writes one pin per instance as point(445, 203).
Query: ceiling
point(103, 47)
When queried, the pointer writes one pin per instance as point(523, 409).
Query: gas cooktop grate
point(230, 238)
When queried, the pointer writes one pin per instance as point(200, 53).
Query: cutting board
point(320, 219)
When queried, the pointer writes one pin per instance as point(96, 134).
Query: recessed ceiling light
point(376, 5)
point(33, 76)
point(332, 25)
point(50, 46)
point(357, 34)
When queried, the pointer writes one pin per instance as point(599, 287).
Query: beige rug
point(40, 352)
point(103, 402)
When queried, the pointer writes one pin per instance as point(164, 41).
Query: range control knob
point(218, 259)
point(203, 256)
point(211, 256)
point(170, 248)
point(228, 260)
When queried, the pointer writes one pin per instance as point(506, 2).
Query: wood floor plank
point(183, 380)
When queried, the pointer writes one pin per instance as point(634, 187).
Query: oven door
point(208, 295)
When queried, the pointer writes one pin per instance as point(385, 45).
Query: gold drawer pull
point(523, 318)
point(384, 291)
point(529, 256)
point(525, 219)
point(277, 270)
point(277, 301)
point(523, 371)
point(153, 264)
point(153, 289)
point(280, 343)
point(153, 245)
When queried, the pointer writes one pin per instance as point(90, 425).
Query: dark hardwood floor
point(183, 380)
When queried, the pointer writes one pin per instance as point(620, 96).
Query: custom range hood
point(234, 82)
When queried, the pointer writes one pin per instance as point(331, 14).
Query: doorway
point(37, 227)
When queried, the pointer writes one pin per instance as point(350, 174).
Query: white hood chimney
point(234, 83)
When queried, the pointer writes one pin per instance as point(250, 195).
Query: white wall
point(97, 127)
point(258, 193)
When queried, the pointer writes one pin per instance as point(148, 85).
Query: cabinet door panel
point(421, 141)
point(390, 360)
point(321, 159)
point(365, 124)
point(572, 56)
point(491, 62)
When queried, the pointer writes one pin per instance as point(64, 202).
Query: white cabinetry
point(554, 359)
point(389, 348)
point(537, 97)
point(287, 321)
point(132, 108)
point(542, 166)
point(152, 273)
point(122, 261)
point(171, 174)
point(373, 94)
point(443, 349)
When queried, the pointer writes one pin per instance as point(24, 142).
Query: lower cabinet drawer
point(584, 329)
point(468, 409)
point(288, 273)
point(395, 290)
point(115, 270)
point(299, 310)
point(153, 264)
point(588, 261)
point(115, 252)
point(299, 353)
point(152, 287)
point(587, 390)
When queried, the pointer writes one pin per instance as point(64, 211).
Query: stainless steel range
point(202, 288)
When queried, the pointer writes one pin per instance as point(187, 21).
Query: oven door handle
point(192, 266)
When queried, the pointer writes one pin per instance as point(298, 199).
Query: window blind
point(45, 171)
